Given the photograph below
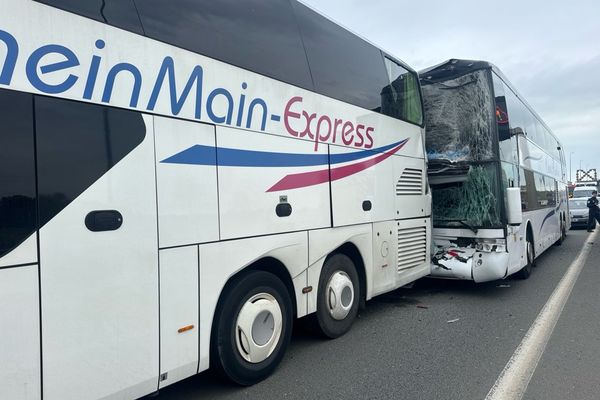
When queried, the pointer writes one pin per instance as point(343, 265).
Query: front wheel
point(337, 296)
point(525, 272)
point(253, 328)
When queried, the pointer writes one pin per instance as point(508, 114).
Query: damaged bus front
point(465, 136)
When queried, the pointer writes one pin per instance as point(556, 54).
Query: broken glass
point(472, 201)
point(459, 118)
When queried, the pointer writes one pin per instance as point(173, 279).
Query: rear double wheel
point(338, 296)
point(252, 329)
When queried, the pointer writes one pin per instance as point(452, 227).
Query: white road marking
point(514, 379)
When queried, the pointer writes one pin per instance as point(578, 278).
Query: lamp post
point(571, 166)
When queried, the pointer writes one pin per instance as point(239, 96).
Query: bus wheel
point(253, 328)
point(525, 272)
point(338, 296)
point(563, 234)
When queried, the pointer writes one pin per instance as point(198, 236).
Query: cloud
point(549, 51)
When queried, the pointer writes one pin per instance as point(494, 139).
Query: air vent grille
point(410, 182)
point(412, 247)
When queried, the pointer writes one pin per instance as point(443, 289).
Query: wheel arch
point(266, 264)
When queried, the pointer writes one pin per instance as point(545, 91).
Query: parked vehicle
point(579, 211)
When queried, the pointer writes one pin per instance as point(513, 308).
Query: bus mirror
point(513, 206)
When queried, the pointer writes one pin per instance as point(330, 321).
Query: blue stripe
point(208, 155)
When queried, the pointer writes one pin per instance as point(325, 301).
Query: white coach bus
point(497, 174)
point(181, 179)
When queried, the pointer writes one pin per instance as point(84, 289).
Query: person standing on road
point(594, 214)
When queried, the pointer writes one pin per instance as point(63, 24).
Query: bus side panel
point(100, 313)
point(220, 261)
point(178, 314)
point(409, 188)
point(19, 334)
point(186, 177)
point(365, 196)
point(255, 177)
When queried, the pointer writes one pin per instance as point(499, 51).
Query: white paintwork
point(516, 247)
point(414, 205)
point(513, 206)
point(514, 378)
point(372, 185)
point(20, 377)
point(245, 206)
point(187, 194)
point(220, 261)
point(490, 266)
point(25, 253)
point(100, 289)
point(100, 306)
point(385, 256)
point(178, 309)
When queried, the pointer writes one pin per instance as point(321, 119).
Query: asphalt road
point(404, 345)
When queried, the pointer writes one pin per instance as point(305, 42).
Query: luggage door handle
point(103, 220)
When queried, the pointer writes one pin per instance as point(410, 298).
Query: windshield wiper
point(460, 221)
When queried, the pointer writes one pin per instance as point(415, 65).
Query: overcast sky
point(549, 50)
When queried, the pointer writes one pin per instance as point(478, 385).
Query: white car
point(579, 211)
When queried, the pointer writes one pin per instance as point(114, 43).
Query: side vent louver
point(412, 247)
point(410, 183)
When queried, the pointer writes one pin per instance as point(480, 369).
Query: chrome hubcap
point(258, 327)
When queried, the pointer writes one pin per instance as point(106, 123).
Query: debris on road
point(422, 306)
point(453, 320)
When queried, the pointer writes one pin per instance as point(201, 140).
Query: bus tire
point(338, 296)
point(525, 272)
point(252, 329)
point(563, 234)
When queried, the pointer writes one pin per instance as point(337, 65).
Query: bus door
point(98, 251)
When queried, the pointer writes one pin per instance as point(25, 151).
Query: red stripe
point(295, 181)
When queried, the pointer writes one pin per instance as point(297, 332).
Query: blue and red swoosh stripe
point(225, 157)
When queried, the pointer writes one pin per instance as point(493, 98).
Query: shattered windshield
point(459, 118)
point(468, 200)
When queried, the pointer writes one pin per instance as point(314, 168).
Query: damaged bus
point(496, 171)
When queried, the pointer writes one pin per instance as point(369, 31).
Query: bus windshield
point(469, 199)
point(457, 116)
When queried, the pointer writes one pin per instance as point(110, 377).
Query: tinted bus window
point(17, 170)
point(343, 66)
point(258, 35)
point(529, 198)
point(77, 143)
point(119, 13)
point(401, 98)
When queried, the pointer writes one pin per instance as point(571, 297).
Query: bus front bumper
point(469, 264)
